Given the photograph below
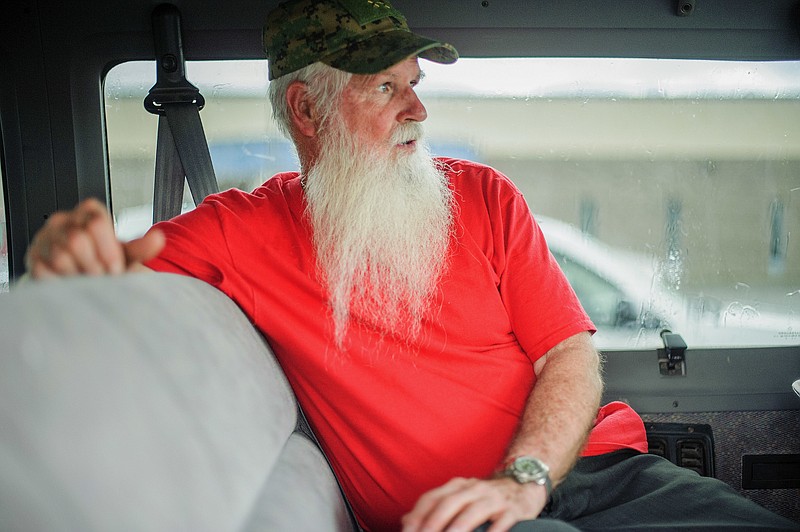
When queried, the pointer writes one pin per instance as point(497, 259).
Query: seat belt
point(181, 148)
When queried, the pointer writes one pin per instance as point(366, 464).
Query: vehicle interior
point(657, 142)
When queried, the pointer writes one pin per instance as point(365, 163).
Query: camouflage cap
point(357, 36)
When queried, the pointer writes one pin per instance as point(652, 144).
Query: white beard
point(382, 225)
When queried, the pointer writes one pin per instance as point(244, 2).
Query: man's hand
point(82, 242)
point(464, 504)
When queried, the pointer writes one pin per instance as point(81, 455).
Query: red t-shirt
point(395, 420)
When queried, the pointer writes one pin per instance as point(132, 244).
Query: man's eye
point(385, 88)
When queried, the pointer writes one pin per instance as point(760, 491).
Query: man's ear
point(301, 109)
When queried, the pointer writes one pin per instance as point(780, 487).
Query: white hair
point(325, 86)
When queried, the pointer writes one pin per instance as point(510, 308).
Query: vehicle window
point(604, 302)
point(668, 190)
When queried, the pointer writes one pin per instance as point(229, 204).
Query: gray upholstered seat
point(149, 402)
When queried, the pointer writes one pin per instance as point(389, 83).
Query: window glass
point(667, 190)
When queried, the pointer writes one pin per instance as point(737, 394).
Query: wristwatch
point(525, 469)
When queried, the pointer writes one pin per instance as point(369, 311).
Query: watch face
point(527, 469)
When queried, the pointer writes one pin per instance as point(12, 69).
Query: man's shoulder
point(471, 174)
point(278, 196)
point(460, 166)
point(282, 185)
point(284, 182)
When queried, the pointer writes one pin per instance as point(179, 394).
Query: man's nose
point(413, 110)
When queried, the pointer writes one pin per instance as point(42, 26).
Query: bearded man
point(435, 346)
point(381, 213)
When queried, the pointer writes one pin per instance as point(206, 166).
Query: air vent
point(689, 446)
point(692, 455)
point(657, 446)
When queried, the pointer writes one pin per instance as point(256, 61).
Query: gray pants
point(630, 491)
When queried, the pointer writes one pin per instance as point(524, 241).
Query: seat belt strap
point(182, 148)
point(168, 187)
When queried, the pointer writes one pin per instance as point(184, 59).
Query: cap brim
point(383, 50)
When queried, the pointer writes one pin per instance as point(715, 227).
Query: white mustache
point(407, 132)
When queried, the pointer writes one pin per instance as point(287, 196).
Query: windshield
point(667, 190)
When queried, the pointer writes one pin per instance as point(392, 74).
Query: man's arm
point(82, 242)
point(554, 426)
point(563, 406)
